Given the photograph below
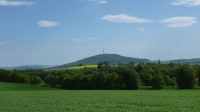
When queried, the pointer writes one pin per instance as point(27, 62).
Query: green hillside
point(111, 58)
point(22, 87)
point(24, 67)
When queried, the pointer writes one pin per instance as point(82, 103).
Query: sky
point(37, 32)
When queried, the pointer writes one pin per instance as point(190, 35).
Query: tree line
point(17, 77)
point(128, 76)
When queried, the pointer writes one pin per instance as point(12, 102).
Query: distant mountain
point(181, 61)
point(187, 61)
point(111, 58)
point(24, 67)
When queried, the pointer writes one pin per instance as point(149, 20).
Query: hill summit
point(111, 58)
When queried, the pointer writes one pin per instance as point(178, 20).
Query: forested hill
point(111, 58)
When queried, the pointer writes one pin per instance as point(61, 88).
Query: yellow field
point(82, 67)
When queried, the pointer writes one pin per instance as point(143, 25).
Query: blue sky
point(37, 32)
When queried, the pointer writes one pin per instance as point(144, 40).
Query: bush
point(167, 79)
point(36, 80)
point(172, 82)
point(147, 78)
point(158, 82)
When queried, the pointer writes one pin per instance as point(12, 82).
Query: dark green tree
point(99, 80)
point(61, 79)
point(167, 79)
point(36, 80)
point(99, 65)
point(158, 82)
point(24, 79)
point(131, 79)
point(77, 81)
point(172, 81)
point(119, 83)
point(185, 77)
point(110, 80)
point(198, 75)
point(4, 75)
point(51, 80)
point(147, 79)
point(139, 68)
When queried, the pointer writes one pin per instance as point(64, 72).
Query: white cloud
point(43, 23)
point(102, 2)
point(14, 3)
point(125, 18)
point(2, 43)
point(77, 40)
point(187, 2)
point(99, 1)
point(181, 21)
point(94, 38)
point(139, 29)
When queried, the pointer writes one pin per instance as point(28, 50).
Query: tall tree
point(131, 79)
point(172, 81)
point(167, 79)
point(198, 75)
point(147, 79)
point(110, 80)
point(185, 77)
point(61, 78)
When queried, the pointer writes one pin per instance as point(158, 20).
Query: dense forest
point(123, 76)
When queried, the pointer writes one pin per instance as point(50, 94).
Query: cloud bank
point(139, 29)
point(173, 22)
point(187, 2)
point(99, 1)
point(14, 3)
point(125, 19)
point(176, 22)
point(43, 23)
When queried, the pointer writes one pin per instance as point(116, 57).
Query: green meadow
point(33, 98)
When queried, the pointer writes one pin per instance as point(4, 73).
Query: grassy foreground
point(30, 98)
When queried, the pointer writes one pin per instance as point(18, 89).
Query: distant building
point(159, 61)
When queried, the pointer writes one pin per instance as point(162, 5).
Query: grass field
point(22, 87)
point(29, 98)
